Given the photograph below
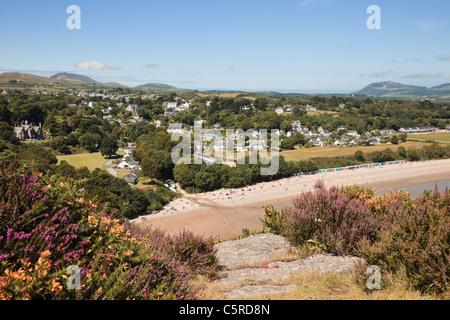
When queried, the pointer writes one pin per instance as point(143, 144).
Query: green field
point(331, 151)
point(89, 160)
point(438, 137)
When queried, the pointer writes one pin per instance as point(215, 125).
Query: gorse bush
point(46, 227)
point(394, 231)
point(416, 240)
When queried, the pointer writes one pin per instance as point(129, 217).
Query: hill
point(17, 77)
point(65, 80)
point(72, 77)
point(157, 87)
point(390, 89)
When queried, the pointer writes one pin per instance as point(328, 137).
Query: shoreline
point(224, 213)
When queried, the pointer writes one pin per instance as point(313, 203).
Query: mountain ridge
point(387, 89)
point(393, 89)
point(72, 79)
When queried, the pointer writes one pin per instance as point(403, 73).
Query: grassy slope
point(331, 151)
point(438, 137)
point(90, 160)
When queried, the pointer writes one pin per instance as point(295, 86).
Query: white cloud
point(305, 2)
point(423, 24)
point(443, 75)
point(418, 76)
point(382, 74)
point(379, 74)
point(441, 57)
point(95, 65)
point(152, 65)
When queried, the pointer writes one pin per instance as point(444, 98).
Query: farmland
point(89, 160)
point(331, 151)
point(438, 137)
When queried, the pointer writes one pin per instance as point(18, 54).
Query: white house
point(175, 128)
point(127, 163)
point(353, 133)
point(170, 105)
point(340, 143)
point(183, 107)
point(279, 110)
point(318, 142)
point(132, 108)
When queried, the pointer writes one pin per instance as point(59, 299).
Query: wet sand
point(225, 213)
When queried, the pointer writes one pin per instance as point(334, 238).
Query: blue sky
point(290, 45)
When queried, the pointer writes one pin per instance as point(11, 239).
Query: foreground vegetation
point(46, 226)
point(405, 237)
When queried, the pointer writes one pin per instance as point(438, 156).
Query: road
point(109, 168)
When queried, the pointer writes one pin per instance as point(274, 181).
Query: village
point(120, 108)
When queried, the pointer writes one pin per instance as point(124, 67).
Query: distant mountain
point(114, 85)
point(60, 81)
point(7, 77)
point(72, 77)
point(161, 87)
point(395, 89)
point(445, 86)
point(157, 86)
point(389, 87)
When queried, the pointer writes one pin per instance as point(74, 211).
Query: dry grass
point(312, 285)
point(316, 286)
point(438, 137)
point(331, 151)
point(330, 286)
point(221, 95)
point(321, 112)
point(89, 160)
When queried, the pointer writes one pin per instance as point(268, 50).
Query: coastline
point(224, 213)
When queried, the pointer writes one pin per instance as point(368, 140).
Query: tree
point(298, 111)
point(413, 155)
point(402, 152)
point(5, 114)
point(64, 169)
point(108, 147)
point(184, 175)
point(37, 157)
point(359, 155)
point(7, 133)
point(150, 168)
point(379, 123)
point(90, 141)
point(394, 140)
point(403, 137)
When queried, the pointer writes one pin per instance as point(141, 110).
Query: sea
point(415, 191)
point(419, 189)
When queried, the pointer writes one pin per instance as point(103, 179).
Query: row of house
point(176, 106)
point(419, 130)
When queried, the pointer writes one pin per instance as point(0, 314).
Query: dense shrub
point(46, 226)
point(394, 231)
point(417, 241)
point(325, 216)
point(197, 252)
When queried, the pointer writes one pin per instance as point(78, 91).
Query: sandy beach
point(224, 213)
